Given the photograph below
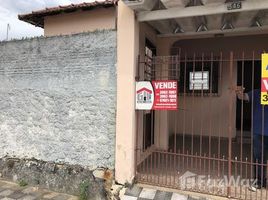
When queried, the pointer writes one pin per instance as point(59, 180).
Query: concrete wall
point(80, 21)
point(58, 97)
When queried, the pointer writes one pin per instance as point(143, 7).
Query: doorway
point(248, 76)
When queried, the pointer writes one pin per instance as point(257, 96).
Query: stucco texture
point(58, 97)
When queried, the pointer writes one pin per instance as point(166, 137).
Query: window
point(199, 80)
point(201, 77)
point(150, 52)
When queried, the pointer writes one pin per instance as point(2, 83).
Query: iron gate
point(210, 136)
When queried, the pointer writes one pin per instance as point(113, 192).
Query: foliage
point(22, 183)
point(83, 195)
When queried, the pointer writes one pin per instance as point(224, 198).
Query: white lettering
point(166, 85)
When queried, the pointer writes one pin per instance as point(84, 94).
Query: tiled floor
point(11, 191)
point(139, 193)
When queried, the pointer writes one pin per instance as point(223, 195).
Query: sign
point(199, 80)
point(264, 80)
point(235, 5)
point(144, 95)
point(156, 95)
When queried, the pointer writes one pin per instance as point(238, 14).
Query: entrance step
point(142, 193)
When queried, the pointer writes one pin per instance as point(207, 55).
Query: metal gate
point(211, 136)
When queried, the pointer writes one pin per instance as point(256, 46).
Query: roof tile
point(37, 17)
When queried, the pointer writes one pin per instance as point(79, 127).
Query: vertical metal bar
point(230, 124)
point(219, 134)
point(213, 170)
point(193, 102)
point(136, 143)
point(159, 167)
point(210, 103)
point(166, 168)
point(152, 126)
point(184, 109)
point(176, 111)
point(245, 188)
point(147, 169)
point(235, 175)
point(257, 174)
point(151, 167)
point(154, 167)
point(252, 121)
point(143, 125)
point(242, 118)
point(179, 167)
point(137, 123)
point(266, 188)
point(187, 159)
point(174, 169)
point(262, 148)
point(223, 165)
point(170, 168)
point(196, 163)
point(205, 159)
point(201, 113)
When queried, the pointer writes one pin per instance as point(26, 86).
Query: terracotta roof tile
point(37, 17)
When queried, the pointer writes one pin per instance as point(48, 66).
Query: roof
point(144, 89)
point(37, 17)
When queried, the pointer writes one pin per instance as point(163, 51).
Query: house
point(75, 18)
point(207, 46)
point(144, 95)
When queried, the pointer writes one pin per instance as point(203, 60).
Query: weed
point(22, 183)
point(83, 195)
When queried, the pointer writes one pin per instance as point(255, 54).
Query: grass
point(22, 183)
point(83, 195)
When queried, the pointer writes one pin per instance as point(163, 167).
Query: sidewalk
point(12, 191)
point(146, 192)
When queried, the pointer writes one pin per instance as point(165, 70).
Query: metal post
point(230, 125)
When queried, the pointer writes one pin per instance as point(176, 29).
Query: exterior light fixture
point(178, 29)
point(202, 27)
point(227, 26)
point(256, 23)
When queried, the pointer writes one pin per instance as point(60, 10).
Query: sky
point(9, 10)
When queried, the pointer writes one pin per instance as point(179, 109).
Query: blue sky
point(9, 10)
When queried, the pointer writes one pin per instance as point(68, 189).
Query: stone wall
point(58, 98)
point(64, 178)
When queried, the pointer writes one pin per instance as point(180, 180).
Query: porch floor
point(170, 168)
point(213, 146)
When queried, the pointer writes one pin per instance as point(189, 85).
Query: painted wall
point(161, 125)
point(80, 21)
point(127, 57)
point(58, 98)
point(217, 107)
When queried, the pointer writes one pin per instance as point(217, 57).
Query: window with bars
point(199, 77)
point(150, 52)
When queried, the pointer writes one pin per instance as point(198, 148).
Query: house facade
point(209, 47)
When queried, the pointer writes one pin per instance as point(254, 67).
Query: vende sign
point(264, 80)
point(156, 95)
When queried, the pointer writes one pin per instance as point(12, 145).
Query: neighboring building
point(75, 18)
point(207, 46)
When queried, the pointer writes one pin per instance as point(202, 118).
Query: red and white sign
point(158, 95)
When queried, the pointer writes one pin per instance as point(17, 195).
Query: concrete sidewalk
point(12, 191)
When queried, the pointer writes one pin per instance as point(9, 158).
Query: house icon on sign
point(144, 95)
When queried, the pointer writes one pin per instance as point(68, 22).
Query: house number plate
point(235, 5)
